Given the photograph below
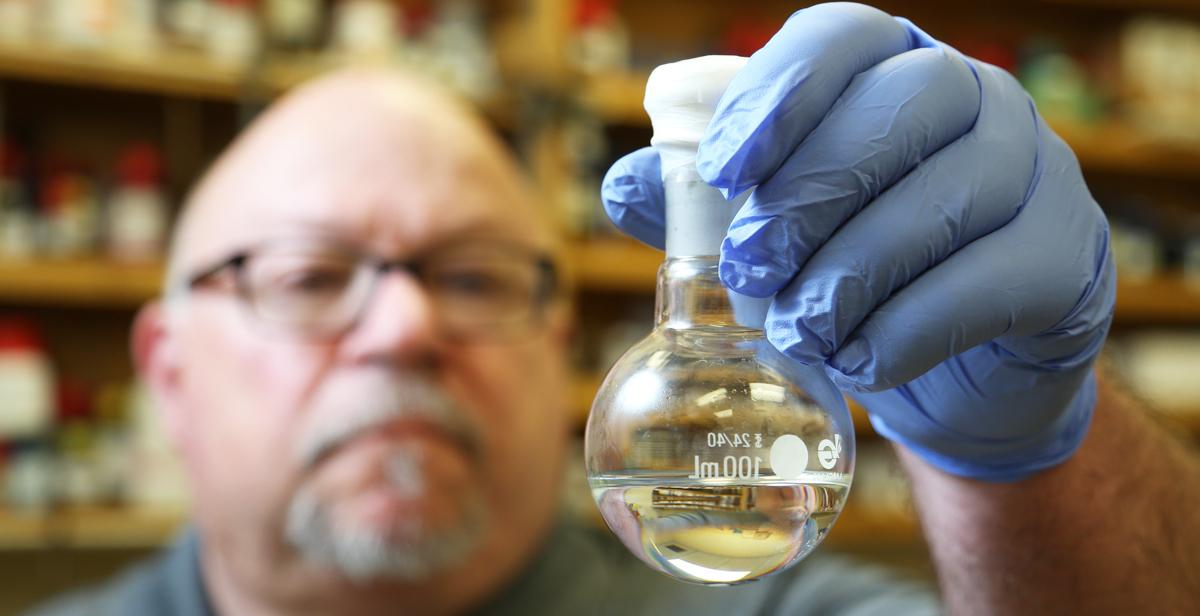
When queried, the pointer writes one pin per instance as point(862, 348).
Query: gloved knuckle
point(866, 16)
point(855, 10)
point(1003, 77)
point(942, 68)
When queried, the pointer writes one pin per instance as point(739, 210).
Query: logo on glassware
point(829, 451)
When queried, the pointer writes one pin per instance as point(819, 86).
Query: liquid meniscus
point(720, 531)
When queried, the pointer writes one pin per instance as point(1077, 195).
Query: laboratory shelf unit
point(190, 105)
point(183, 73)
point(617, 264)
point(131, 527)
point(613, 264)
point(584, 388)
point(83, 282)
point(601, 265)
point(1163, 299)
point(171, 72)
point(92, 527)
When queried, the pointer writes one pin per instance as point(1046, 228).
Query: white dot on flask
point(789, 456)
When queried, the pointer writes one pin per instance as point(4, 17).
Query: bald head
point(375, 153)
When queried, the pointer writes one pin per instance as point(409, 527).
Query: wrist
point(1001, 460)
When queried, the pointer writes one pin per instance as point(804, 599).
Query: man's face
point(390, 450)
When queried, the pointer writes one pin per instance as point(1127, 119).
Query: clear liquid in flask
point(720, 531)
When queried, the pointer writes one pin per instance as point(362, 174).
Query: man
point(361, 354)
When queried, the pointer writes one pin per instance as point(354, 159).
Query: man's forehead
point(349, 157)
point(389, 239)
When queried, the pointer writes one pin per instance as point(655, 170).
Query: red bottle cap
point(140, 164)
point(19, 335)
point(12, 162)
point(590, 13)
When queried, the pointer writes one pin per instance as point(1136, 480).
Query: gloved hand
point(926, 237)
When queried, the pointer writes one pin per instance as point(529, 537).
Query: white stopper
point(681, 98)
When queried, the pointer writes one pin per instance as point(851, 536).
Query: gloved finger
point(1036, 287)
point(891, 117)
point(1082, 262)
point(968, 189)
point(632, 194)
point(789, 85)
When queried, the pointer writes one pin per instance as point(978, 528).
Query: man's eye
point(474, 283)
point(313, 280)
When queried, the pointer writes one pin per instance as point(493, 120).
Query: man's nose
point(398, 323)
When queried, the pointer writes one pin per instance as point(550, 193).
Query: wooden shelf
point(584, 387)
point(1160, 300)
point(22, 530)
point(128, 528)
point(79, 282)
point(616, 97)
point(614, 264)
point(172, 72)
point(1106, 147)
point(1140, 6)
point(857, 527)
point(98, 527)
point(1116, 147)
point(89, 528)
point(180, 72)
point(627, 266)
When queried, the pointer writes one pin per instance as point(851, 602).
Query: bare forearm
point(1114, 529)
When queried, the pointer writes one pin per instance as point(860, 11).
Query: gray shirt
point(579, 571)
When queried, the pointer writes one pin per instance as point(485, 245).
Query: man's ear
point(156, 357)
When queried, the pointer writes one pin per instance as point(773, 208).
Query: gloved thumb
point(632, 193)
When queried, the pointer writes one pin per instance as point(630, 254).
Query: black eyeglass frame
point(548, 282)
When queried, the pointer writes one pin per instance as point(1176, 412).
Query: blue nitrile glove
point(926, 237)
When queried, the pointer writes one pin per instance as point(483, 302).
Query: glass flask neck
point(690, 294)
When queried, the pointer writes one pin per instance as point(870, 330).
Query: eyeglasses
point(319, 289)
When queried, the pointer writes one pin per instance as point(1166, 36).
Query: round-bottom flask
point(711, 456)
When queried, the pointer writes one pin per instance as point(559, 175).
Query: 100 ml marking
point(732, 467)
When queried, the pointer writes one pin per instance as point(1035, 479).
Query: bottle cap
point(19, 335)
point(681, 98)
point(140, 165)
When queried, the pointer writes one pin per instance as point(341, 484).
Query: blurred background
point(110, 110)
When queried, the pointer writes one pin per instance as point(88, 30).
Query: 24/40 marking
point(736, 439)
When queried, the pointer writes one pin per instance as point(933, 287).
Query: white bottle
point(293, 24)
point(136, 31)
point(26, 382)
point(232, 34)
point(366, 29)
point(137, 211)
point(16, 20)
point(462, 56)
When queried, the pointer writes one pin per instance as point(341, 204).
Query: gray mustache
point(382, 400)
